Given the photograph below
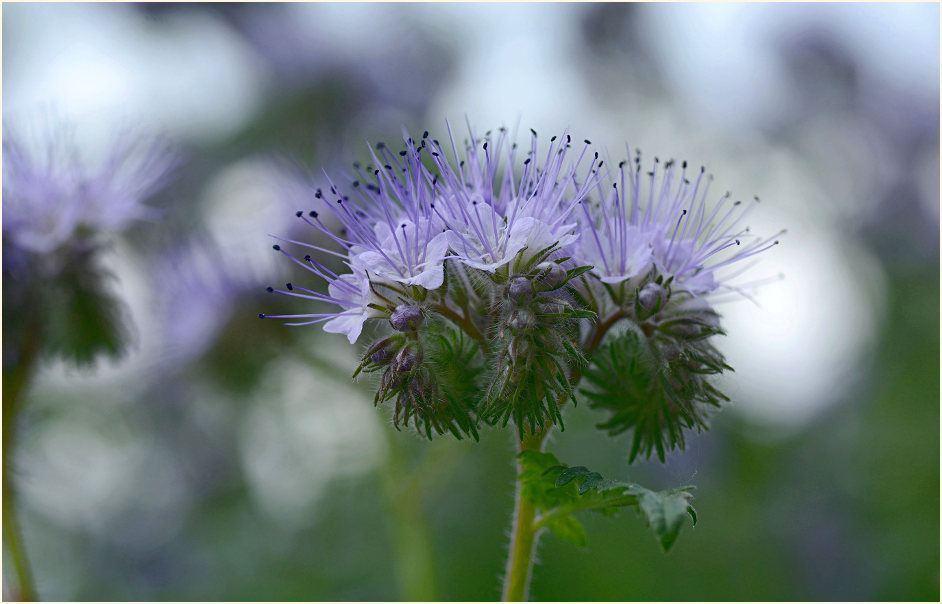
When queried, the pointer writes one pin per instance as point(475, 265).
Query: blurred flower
point(58, 208)
point(198, 285)
point(52, 193)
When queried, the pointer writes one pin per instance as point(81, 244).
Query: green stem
point(14, 383)
point(524, 535)
point(526, 526)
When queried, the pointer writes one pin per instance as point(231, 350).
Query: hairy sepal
point(654, 377)
point(430, 376)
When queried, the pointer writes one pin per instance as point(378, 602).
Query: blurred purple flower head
point(53, 192)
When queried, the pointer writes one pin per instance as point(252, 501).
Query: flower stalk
point(524, 533)
point(14, 384)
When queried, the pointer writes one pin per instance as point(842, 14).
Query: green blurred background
point(226, 458)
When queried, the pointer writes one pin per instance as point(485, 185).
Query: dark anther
point(307, 258)
point(587, 141)
point(402, 153)
point(318, 193)
point(434, 154)
point(485, 146)
point(380, 145)
point(289, 286)
point(622, 163)
point(388, 167)
point(261, 316)
point(526, 161)
point(553, 139)
point(568, 139)
point(355, 184)
point(276, 247)
point(684, 165)
point(312, 214)
point(269, 289)
point(425, 134)
point(596, 155)
point(533, 131)
point(299, 213)
point(601, 162)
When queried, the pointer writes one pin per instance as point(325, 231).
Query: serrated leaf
point(559, 491)
point(665, 512)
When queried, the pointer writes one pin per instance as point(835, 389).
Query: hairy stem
point(523, 536)
point(14, 383)
point(464, 322)
point(526, 526)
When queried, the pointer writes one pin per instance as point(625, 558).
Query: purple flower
point(662, 219)
point(400, 221)
point(353, 292)
point(51, 194)
point(491, 219)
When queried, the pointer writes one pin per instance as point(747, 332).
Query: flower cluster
point(532, 256)
point(58, 208)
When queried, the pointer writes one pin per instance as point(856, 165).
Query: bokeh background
point(227, 458)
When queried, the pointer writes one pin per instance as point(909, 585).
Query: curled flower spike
point(523, 263)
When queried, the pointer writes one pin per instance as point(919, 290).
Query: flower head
point(51, 191)
point(662, 220)
point(401, 220)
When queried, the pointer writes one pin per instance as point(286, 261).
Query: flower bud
point(550, 275)
point(381, 356)
point(669, 351)
point(407, 359)
point(521, 320)
point(652, 297)
point(406, 317)
point(519, 289)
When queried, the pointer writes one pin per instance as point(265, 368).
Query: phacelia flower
point(662, 219)
point(400, 220)
point(52, 191)
point(515, 266)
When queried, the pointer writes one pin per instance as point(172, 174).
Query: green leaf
point(665, 512)
point(569, 529)
point(559, 491)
